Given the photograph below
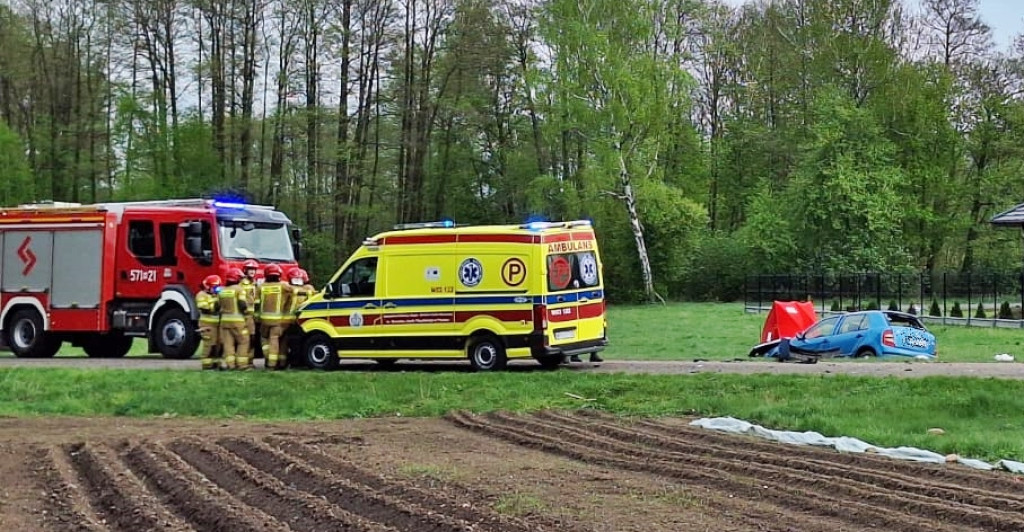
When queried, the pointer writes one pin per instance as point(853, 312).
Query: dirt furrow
point(193, 497)
point(448, 498)
point(111, 496)
point(69, 508)
point(300, 510)
point(1000, 483)
point(349, 495)
point(949, 504)
point(868, 503)
point(750, 505)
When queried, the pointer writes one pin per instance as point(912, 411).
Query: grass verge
point(982, 418)
point(723, 331)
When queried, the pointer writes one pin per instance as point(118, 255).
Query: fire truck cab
point(100, 275)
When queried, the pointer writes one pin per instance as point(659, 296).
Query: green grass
point(723, 331)
point(982, 417)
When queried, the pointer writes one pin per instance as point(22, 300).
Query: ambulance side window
point(359, 279)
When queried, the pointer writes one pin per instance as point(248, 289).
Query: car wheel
point(27, 337)
point(320, 354)
point(865, 352)
point(486, 353)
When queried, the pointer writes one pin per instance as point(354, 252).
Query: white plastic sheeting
point(845, 444)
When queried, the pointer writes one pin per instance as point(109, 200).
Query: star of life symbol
point(588, 268)
point(471, 272)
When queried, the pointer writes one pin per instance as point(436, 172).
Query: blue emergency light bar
point(229, 205)
point(540, 226)
point(425, 225)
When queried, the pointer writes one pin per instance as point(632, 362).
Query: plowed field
point(496, 472)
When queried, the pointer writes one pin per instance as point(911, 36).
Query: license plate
point(565, 335)
point(917, 342)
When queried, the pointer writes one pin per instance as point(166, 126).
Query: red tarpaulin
point(788, 318)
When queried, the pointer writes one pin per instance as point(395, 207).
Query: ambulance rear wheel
point(320, 354)
point(175, 335)
point(486, 353)
point(27, 337)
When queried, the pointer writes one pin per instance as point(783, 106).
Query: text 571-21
point(142, 276)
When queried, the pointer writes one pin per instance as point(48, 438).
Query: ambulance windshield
point(266, 242)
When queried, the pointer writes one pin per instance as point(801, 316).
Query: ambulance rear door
point(575, 294)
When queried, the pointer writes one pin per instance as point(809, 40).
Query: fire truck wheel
point(320, 354)
point(486, 353)
point(27, 337)
point(110, 345)
point(174, 334)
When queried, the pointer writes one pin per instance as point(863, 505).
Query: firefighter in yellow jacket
point(233, 311)
point(301, 291)
point(251, 287)
point(209, 320)
point(274, 300)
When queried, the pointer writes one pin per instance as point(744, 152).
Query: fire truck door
point(27, 260)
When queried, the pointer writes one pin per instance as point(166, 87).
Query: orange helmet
point(273, 271)
point(250, 264)
point(234, 276)
point(211, 282)
point(299, 274)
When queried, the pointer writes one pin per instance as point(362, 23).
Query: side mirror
point(296, 234)
point(297, 250)
point(194, 229)
point(329, 290)
point(194, 245)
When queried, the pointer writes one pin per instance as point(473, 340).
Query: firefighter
point(275, 298)
point(233, 311)
point(251, 287)
point(209, 320)
point(301, 291)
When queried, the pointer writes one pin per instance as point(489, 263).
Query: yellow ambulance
point(440, 291)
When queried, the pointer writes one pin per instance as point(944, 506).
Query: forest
point(705, 140)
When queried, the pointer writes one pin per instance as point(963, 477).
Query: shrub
point(835, 306)
point(893, 305)
point(956, 311)
point(1005, 313)
point(872, 305)
point(980, 314)
point(912, 309)
point(935, 310)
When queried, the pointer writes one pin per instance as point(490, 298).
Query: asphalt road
point(1006, 370)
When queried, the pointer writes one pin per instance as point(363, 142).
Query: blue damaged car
point(858, 334)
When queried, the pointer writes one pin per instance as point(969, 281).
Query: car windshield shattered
point(904, 320)
point(251, 240)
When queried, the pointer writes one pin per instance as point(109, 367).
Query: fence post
point(970, 307)
point(899, 291)
point(822, 286)
point(944, 295)
point(995, 299)
point(758, 294)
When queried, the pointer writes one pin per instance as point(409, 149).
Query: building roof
point(1012, 217)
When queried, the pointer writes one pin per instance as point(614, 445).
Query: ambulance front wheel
point(486, 353)
point(320, 354)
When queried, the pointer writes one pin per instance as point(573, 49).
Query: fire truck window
point(168, 240)
point(141, 239)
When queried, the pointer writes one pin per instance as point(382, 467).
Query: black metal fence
point(973, 298)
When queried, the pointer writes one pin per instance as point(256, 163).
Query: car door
point(355, 305)
point(850, 333)
point(818, 338)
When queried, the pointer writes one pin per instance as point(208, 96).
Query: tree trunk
point(627, 196)
point(342, 185)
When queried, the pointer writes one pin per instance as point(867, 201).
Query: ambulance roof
point(446, 228)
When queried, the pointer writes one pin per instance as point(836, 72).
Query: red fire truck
point(100, 275)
